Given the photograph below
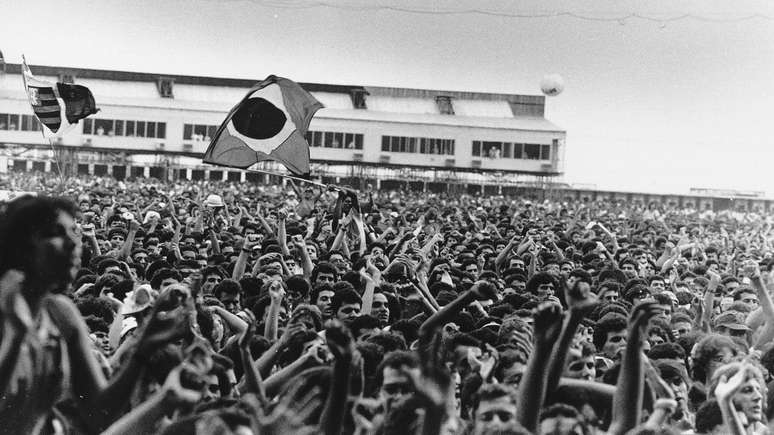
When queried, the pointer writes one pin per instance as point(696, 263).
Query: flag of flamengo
point(58, 106)
point(270, 123)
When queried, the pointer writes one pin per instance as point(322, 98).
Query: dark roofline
point(128, 76)
point(15, 68)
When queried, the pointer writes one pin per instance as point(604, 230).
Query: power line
point(621, 19)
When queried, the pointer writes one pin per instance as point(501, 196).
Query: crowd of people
point(141, 306)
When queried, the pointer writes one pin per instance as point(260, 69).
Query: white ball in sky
point(552, 85)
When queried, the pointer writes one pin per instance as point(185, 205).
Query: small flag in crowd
point(58, 106)
point(270, 123)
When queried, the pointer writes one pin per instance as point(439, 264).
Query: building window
point(444, 104)
point(165, 86)
point(120, 127)
point(88, 125)
point(358, 98)
point(199, 131)
point(545, 152)
point(518, 150)
point(532, 151)
point(421, 145)
point(335, 139)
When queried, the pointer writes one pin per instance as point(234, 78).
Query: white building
point(149, 123)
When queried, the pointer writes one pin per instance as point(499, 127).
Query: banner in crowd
point(270, 123)
point(58, 106)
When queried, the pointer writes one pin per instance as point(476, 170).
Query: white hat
point(137, 300)
point(213, 201)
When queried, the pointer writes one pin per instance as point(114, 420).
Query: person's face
point(494, 414)
point(210, 281)
point(57, 252)
point(629, 270)
point(553, 269)
point(211, 389)
point(348, 312)
point(657, 286)
point(323, 302)
point(749, 299)
point(609, 295)
point(749, 400)
point(512, 374)
point(565, 269)
point(545, 290)
point(325, 278)
point(395, 385)
point(312, 250)
point(339, 262)
point(680, 390)
point(380, 309)
point(116, 240)
point(580, 367)
point(682, 328)
point(231, 302)
point(614, 344)
point(102, 341)
point(472, 269)
point(141, 258)
point(723, 356)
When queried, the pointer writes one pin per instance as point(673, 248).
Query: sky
point(655, 105)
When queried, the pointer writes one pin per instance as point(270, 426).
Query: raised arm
point(282, 235)
point(580, 300)
point(145, 418)
point(342, 346)
point(276, 293)
point(627, 403)
point(126, 248)
point(532, 390)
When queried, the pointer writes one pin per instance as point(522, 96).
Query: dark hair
point(666, 351)
point(316, 290)
point(344, 296)
point(364, 321)
point(608, 323)
point(163, 274)
point(395, 360)
point(23, 220)
point(324, 267)
point(228, 286)
point(705, 350)
point(708, 416)
point(491, 392)
point(538, 279)
point(389, 341)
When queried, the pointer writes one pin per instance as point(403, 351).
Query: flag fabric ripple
point(58, 106)
point(270, 123)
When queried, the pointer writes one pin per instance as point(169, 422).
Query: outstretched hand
point(12, 303)
point(642, 313)
point(340, 341)
point(548, 322)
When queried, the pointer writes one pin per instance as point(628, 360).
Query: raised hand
point(246, 338)
point(727, 387)
point(12, 303)
point(340, 341)
point(174, 389)
point(484, 290)
point(548, 322)
point(642, 313)
point(580, 298)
